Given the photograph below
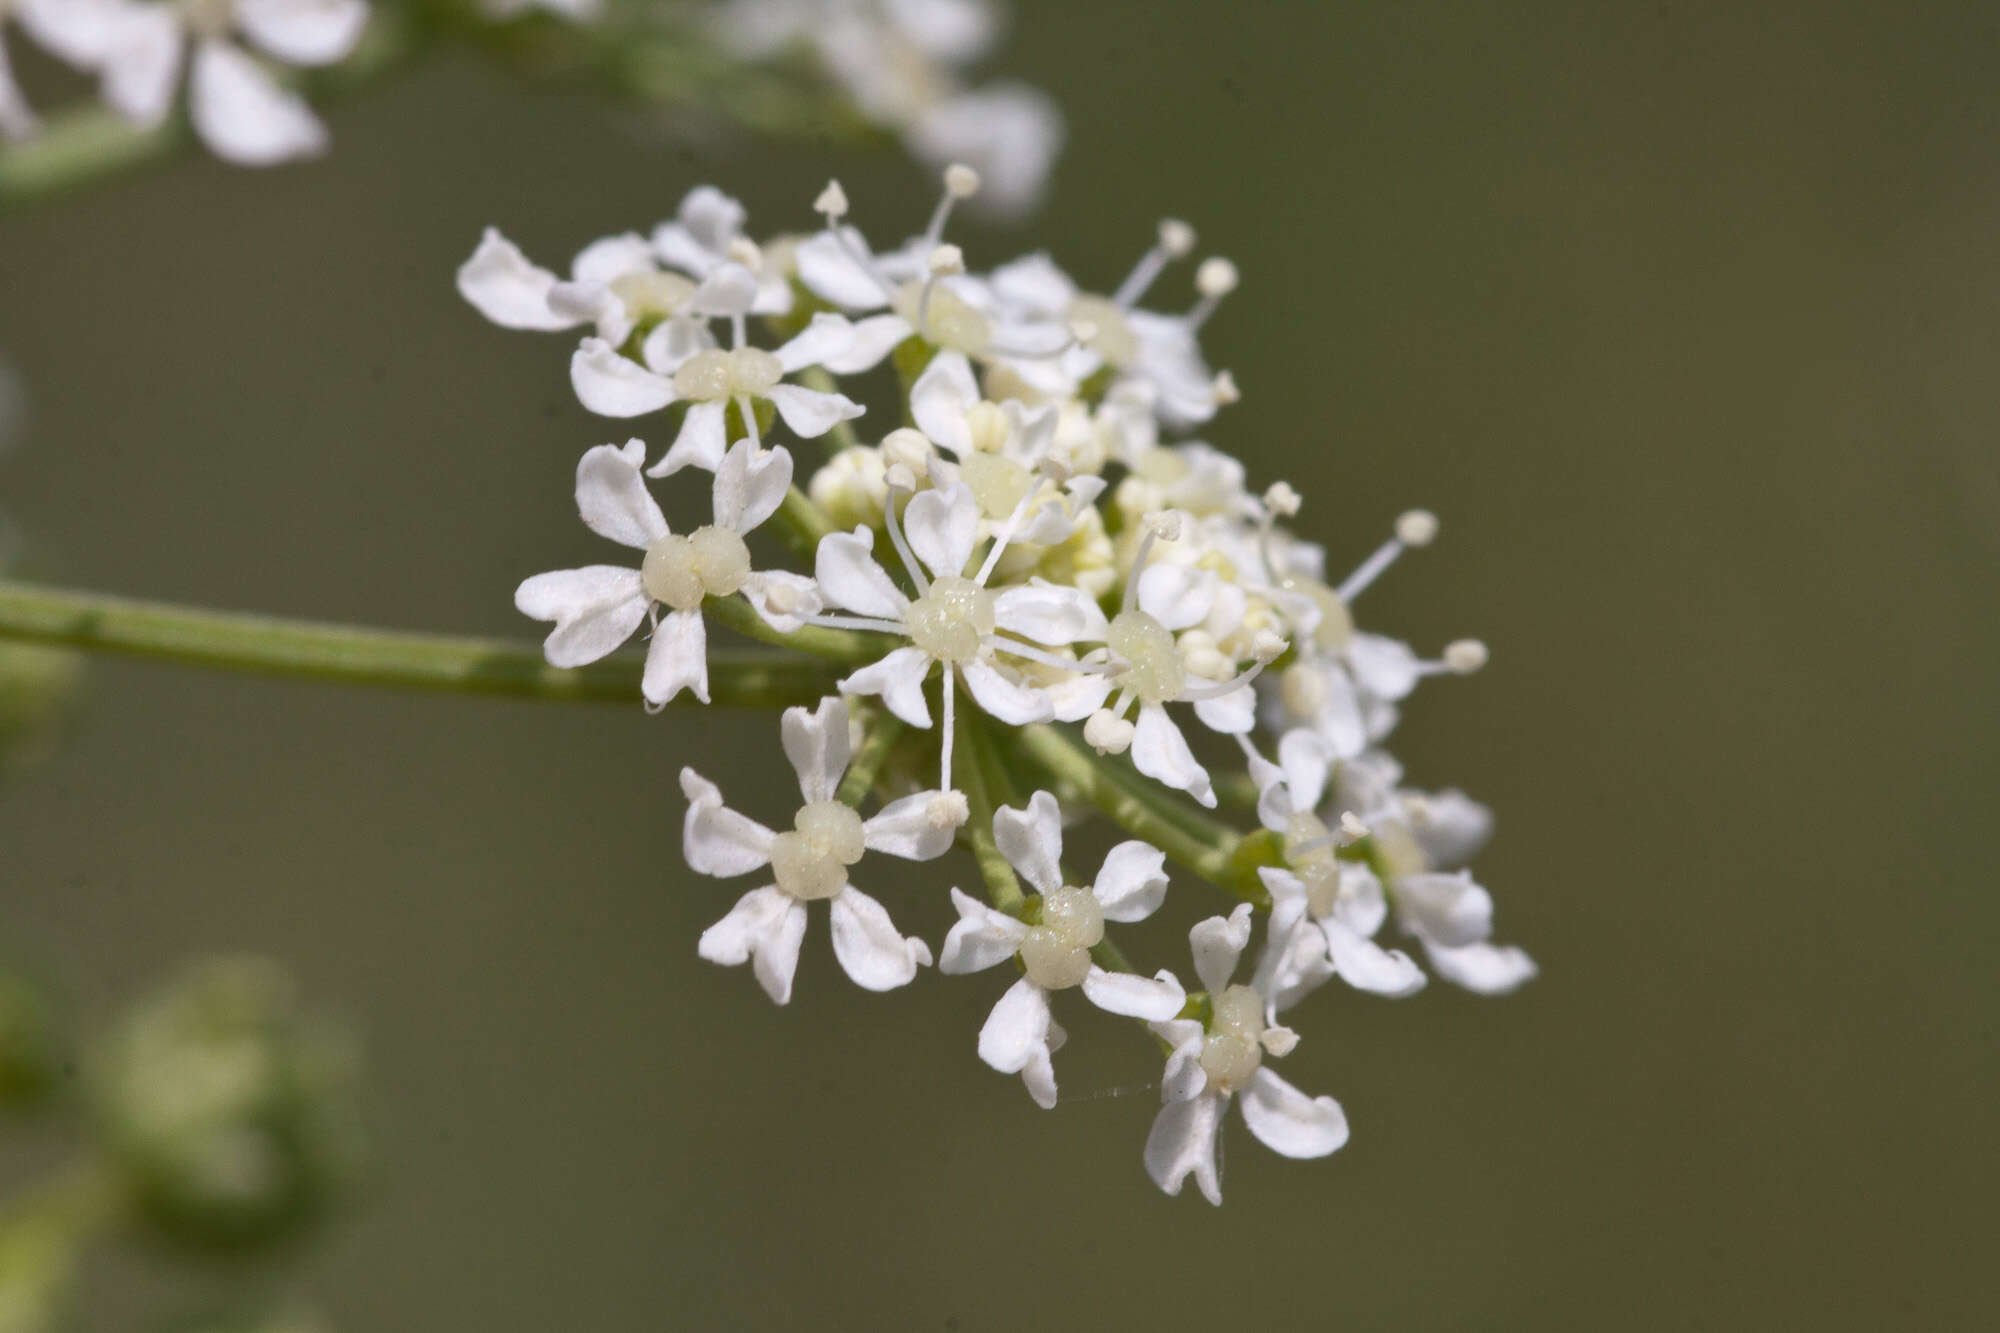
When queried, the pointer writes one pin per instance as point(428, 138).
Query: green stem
point(839, 645)
point(1002, 888)
point(42, 1237)
point(804, 521)
point(882, 734)
point(1193, 840)
point(354, 655)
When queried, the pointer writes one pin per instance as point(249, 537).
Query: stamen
point(749, 411)
point(944, 261)
point(1217, 689)
point(1005, 535)
point(944, 756)
point(1176, 239)
point(1215, 279)
point(916, 571)
point(1461, 657)
point(1280, 499)
point(1224, 389)
point(831, 204)
point(960, 182)
point(1015, 648)
point(870, 623)
point(737, 334)
point(1415, 528)
point(1166, 525)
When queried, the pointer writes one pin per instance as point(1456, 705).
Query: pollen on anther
point(1224, 389)
point(1465, 656)
point(1215, 277)
point(1281, 499)
point(945, 261)
point(832, 201)
point(1176, 237)
point(1418, 527)
point(961, 181)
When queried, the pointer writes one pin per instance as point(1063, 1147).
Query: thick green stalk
point(1191, 839)
point(354, 655)
point(804, 521)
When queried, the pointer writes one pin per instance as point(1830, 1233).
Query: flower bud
point(229, 1112)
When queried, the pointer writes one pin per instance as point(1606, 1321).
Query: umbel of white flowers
point(1035, 608)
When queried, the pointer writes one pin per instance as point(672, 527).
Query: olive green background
point(1682, 317)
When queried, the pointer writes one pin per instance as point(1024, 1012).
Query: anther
point(1107, 733)
point(1176, 237)
point(1465, 656)
point(945, 261)
point(1417, 527)
point(1224, 390)
point(1281, 499)
point(947, 809)
point(961, 181)
point(1351, 825)
point(1216, 278)
point(832, 202)
point(908, 450)
point(745, 252)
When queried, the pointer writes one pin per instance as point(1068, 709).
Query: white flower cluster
point(1028, 538)
point(137, 50)
point(899, 61)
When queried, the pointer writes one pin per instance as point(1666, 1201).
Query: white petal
point(245, 117)
point(1447, 910)
point(1217, 943)
point(898, 678)
point(1232, 714)
point(141, 62)
point(1050, 614)
point(1453, 828)
point(595, 608)
point(827, 336)
point(1017, 1028)
point(503, 286)
point(1182, 1144)
point(1009, 700)
point(1287, 1121)
point(829, 273)
point(1034, 283)
point(1384, 667)
point(716, 840)
point(817, 744)
point(1360, 904)
point(612, 496)
point(1367, 966)
point(700, 442)
point(1031, 840)
point(1132, 883)
point(939, 401)
point(982, 938)
point(808, 413)
point(1294, 964)
point(911, 827)
point(1161, 752)
point(850, 578)
point(1079, 696)
point(1339, 718)
point(1155, 999)
point(1183, 1076)
point(673, 342)
point(942, 526)
point(1306, 759)
point(82, 32)
point(1489, 969)
point(750, 484)
point(589, 303)
point(868, 946)
point(609, 258)
point(677, 659)
point(611, 386)
point(766, 926)
point(1038, 1076)
point(709, 219)
point(729, 289)
point(782, 598)
point(874, 338)
point(304, 32)
point(1178, 596)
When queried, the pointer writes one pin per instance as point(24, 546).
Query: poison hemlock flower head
point(1035, 535)
point(811, 861)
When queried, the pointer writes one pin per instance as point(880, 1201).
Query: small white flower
point(1224, 1059)
point(238, 109)
point(811, 861)
point(1325, 910)
point(954, 622)
point(599, 607)
point(1020, 1033)
point(706, 233)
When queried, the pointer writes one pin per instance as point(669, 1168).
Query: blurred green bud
point(231, 1115)
point(29, 1051)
